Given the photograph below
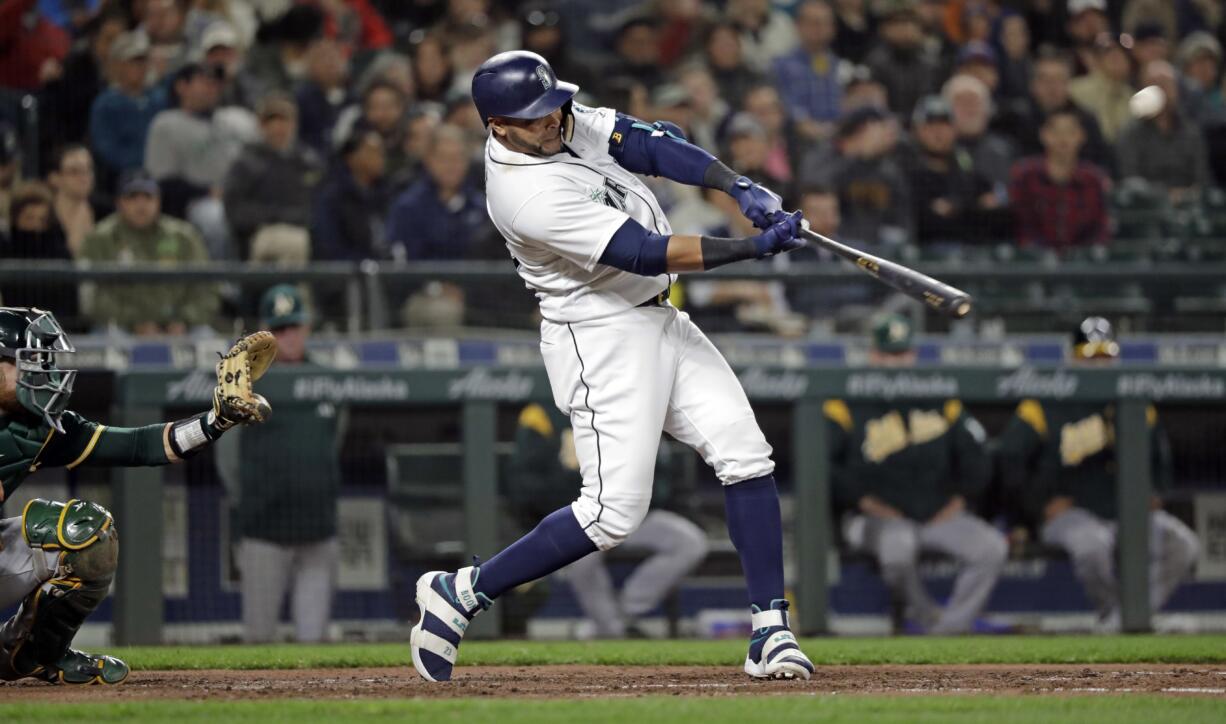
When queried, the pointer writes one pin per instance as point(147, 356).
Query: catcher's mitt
point(234, 402)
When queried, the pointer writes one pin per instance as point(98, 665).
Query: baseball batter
point(57, 559)
point(590, 239)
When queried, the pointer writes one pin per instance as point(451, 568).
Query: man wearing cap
point(900, 60)
point(1058, 463)
point(978, 59)
point(120, 117)
point(139, 232)
point(862, 163)
point(953, 202)
point(268, 190)
point(283, 483)
point(1087, 19)
point(220, 48)
point(905, 475)
point(1200, 57)
point(191, 147)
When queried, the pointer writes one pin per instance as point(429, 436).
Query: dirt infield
point(570, 682)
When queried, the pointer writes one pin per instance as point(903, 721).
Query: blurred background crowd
point(296, 131)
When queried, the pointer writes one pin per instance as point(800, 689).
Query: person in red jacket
point(31, 47)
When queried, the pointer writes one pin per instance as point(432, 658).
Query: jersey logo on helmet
point(543, 75)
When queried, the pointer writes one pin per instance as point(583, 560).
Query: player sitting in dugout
point(543, 476)
point(57, 559)
point(1059, 469)
point(904, 472)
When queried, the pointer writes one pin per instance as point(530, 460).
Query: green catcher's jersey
point(915, 457)
point(1068, 450)
point(27, 444)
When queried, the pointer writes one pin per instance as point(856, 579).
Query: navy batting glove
point(757, 202)
point(781, 236)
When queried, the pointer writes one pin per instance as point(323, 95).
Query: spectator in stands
point(1149, 44)
point(978, 59)
point(322, 95)
point(991, 153)
point(220, 48)
point(875, 198)
point(763, 105)
point(766, 32)
point(165, 24)
point(900, 60)
point(432, 71)
point(1087, 19)
point(807, 78)
point(66, 100)
point(355, 24)
point(458, 227)
point(351, 205)
point(953, 203)
point(682, 25)
point(31, 47)
point(862, 89)
point(284, 482)
point(76, 208)
point(1167, 149)
point(1059, 201)
point(707, 108)
point(120, 117)
point(35, 235)
point(384, 110)
point(139, 232)
point(1049, 92)
point(854, 32)
point(1058, 463)
point(1016, 64)
point(906, 476)
point(190, 149)
point(725, 62)
point(269, 188)
point(1107, 88)
point(544, 471)
point(278, 59)
point(1200, 60)
point(636, 48)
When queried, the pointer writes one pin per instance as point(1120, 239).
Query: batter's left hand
point(758, 203)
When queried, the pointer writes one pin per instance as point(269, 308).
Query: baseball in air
point(1147, 102)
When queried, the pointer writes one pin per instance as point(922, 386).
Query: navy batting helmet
point(518, 84)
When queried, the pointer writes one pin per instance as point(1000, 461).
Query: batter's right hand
point(782, 235)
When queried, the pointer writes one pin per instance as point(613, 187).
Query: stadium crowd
point(300, 130)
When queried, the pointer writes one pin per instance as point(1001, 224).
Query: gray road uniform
point(916, 458)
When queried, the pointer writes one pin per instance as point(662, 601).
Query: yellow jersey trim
point(88, 448)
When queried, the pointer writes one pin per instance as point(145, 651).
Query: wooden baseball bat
point(936, 294)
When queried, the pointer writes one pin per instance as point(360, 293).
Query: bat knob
point(960, 306)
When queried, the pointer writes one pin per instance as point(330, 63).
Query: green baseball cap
point(892, 334)
point(282, 306)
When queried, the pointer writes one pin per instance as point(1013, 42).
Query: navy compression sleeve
point(661, 149)
point(637, 250)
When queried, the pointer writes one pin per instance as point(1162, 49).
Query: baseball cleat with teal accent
point(447, 602)
point(78, 667)
point(773, 650)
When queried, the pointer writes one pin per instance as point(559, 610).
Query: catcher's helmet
point(518, 84)
point(32, 339)
point(1094, 338)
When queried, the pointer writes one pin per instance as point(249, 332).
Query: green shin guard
point(35, 641)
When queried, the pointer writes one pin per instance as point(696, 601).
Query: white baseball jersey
point(558, 214)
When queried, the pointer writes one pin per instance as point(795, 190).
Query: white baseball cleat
point(447, 602)
point(773, 650)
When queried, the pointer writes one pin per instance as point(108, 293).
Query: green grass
point(959, 650)
point(774, 709)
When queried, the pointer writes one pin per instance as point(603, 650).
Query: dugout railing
point(143, 396)
point(1035, 292)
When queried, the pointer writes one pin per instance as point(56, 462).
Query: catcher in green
point(57, 559)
